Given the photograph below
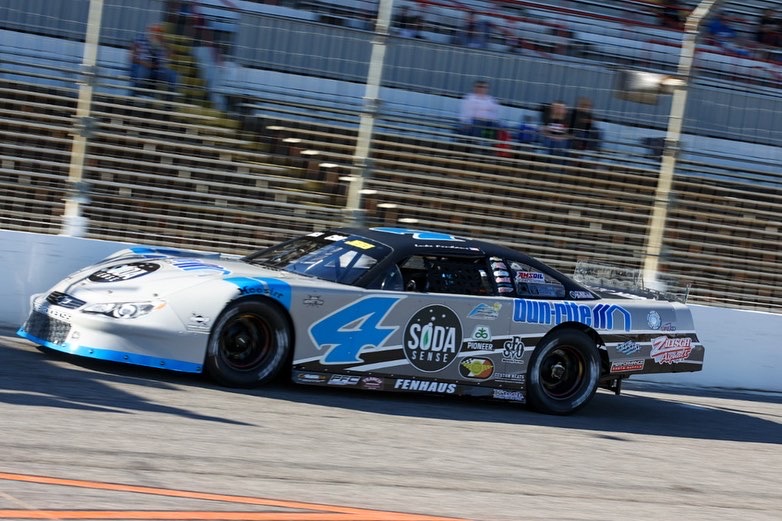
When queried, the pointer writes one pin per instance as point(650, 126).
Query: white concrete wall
point(743, 348)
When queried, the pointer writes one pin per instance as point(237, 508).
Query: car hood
point(131, 275)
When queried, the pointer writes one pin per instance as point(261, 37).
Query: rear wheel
point(563, 373)
point(249, 345)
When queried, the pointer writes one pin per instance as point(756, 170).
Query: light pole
point(361, 163)
point(77, 192)
point(662, 195)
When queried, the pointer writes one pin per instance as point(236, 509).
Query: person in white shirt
point(479, 112)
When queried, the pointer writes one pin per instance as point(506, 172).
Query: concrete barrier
point(743, 348)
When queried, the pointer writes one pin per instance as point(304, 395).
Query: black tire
point(563, 373)
point(249, 345)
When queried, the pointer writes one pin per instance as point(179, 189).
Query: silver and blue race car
point(367, 308)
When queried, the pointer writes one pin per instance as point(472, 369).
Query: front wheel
point(563, 373)
point(249, 345)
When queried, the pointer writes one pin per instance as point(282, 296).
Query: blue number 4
point(347, 331)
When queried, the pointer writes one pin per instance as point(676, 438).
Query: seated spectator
point(554, 132)
point(724, 35)
point(673, 14)
point(528, 131)
point(769, 27)
point(149, 62)
point(586, 135)
point(476, 32)
point(479, 113)
point(409, 24)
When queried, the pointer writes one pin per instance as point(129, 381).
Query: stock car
point(367, 308)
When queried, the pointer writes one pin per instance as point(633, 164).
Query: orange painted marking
point(317, 512)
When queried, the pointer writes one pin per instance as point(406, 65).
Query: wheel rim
point(246, 342)
point(562, 372)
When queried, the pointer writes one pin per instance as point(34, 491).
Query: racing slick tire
point(563, 373)
point(249, 344)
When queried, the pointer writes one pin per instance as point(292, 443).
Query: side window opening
point(531, 282)
point(454, 275)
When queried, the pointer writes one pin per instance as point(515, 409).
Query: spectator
point(554, 132)
point(479, 114)
point(528, 131)
point(768, 31)
point(673, 14)
point(476, 32)
point(409, 24)
point(210, 65)
point(149, 57)
point(586, 135)
point(723, 34)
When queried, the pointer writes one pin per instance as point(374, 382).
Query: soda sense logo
point(433, 338)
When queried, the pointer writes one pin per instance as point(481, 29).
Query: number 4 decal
point(347, 331)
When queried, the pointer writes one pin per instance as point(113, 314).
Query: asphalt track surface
point(91, 440)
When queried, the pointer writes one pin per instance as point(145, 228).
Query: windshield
point(333, 257)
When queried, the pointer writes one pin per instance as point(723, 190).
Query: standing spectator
point(554, 132)
point(586, 135)
point(479, 113)
point(149, 61)
point(476, 32)
point(769, 26)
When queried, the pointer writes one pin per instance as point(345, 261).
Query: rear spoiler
point(623, 282)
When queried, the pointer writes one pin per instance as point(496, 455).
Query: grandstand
point(178, 172)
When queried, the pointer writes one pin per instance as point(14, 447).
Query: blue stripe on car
point(116, 356)
point(275, 288)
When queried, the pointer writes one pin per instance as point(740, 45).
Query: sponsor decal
point(335, 237)
point(518, 378)
point(481, 340)
point(629, 347)
point(581, 295)
point(123, 272)
point(668, 326)
point(476, 368)
point(198, 265)
point(502, 280)
point(43, 307)
point(432, 338)
point(426, 386)
point(343, 379)
point(530, 276)
point(502, 289)
point(312, 300)
point(270, 287)
point(343, 334)
point(623, 366)
point(514, 396)
point(666, 350)
point(501, 273)
point(485, 311)
point(197, 323)
point(372, 382)
point(653, 319)
point(599, 316)
point(260, 289)
point(361, 245)
point(311, 378)
point(513, 350)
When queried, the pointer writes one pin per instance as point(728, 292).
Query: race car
point(367, 308)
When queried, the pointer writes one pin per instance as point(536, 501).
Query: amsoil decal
point(433, 338)
point(424, 386)
point(667, 350)
point(123, 272)
point(623, 366)
point(476, 368)
point(599, 316)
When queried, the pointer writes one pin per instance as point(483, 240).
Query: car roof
point(414, 241)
